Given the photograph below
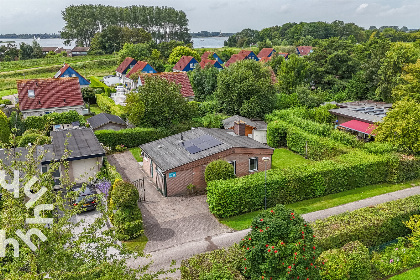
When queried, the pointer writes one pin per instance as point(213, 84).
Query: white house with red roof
point(38, 97)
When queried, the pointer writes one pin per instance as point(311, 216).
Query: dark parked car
point(86, 198)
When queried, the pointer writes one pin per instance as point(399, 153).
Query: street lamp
point(265, 159)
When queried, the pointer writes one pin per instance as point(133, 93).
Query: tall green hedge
point(108, 105)
point(130, 138)
point(372, 226)
point(4, 128)
point(348, 171)
point(44, 122)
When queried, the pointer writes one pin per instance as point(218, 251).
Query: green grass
point(413, 274)
point(283, 158)
point(243, 221)
point(137, 244)
point(95, 109)
point(137, 154)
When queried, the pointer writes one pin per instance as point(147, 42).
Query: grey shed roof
point(371, 117)
point(168, 153)
point(103, 119)
point(82, 143)
point(229, 122)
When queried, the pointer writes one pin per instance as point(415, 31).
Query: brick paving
point(168, 221)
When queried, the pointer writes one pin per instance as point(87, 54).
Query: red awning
point(359, 126)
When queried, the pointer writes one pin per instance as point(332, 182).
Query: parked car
point(86, 198)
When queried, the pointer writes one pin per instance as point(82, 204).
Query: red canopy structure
point(359, 126)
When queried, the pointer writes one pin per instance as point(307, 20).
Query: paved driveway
point(168, 221)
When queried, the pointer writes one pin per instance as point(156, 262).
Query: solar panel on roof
point(201, 143)
point(193, 149)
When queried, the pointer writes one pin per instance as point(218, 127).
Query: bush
point(34, 139)
point(279, 244)
point(372, 226)
point(211, 265)
point(5, 102)
point(124, 195)
point(130, 138)
point(352, 261)
point(44, 123)
point(127, 223)
point(348, 171)
point(277, 133)
point(218, 170)
point(108, 105)
point(4, 128)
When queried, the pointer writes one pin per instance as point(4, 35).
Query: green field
point(243, 221)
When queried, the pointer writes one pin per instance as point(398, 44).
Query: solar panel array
point(202, 143)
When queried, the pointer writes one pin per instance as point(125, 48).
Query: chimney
point(239, 128)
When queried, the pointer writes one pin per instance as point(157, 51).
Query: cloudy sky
point(44, 16)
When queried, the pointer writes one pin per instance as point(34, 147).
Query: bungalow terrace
point(180, 160)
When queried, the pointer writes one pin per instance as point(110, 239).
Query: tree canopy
point(181, 51)
point(4, 128)
point(246, 88)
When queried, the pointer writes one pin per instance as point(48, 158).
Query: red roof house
point(125, 66)
point(303, 50)
point(141, 66)
point(266, 52)
point(214, 63)
point(186, 63)
point(43, 96)
point(234, 58)
point(66, 71)
point(179, 78)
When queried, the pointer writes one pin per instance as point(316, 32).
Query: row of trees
point(84, 21)
point(10, 52)
point(304, 33)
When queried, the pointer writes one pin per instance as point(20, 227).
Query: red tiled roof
point(62, 70)
point(49, 93)
point(285, 55)
point(304, 50)
point(182, 63)
point(204, 62)
point(80, 49)
point(139, 66)
point(234, 58)
point(127, 61)
point(49, 49)
point(265, 52)
point(180, 78)
point(265, 59)
point(274, 79)
point(206, 55)
point(359, 126)
point(245, 52)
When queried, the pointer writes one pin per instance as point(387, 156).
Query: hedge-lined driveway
point(168, 221)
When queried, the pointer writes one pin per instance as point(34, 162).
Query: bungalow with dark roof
point(255, 129)
point(186, 63)
point(211, 56)
point(66, 71)
point(304, 50)
point(177, 161)
point(213, 63)
point(125, 66)
point(179, 78)
point(79, 51)
point(266, 52)
point(104, 121)
point(38, 97)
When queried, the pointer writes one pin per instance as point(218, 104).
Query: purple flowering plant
point(104, 186)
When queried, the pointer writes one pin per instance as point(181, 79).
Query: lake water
point(205, 42)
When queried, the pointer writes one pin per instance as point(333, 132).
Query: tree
point(401, 127)
point(137, 51)
point(390, 71)
point(163, 104)
point(292, 73)
point(25, 51)
point(16, 121)
point(203, 82)
point(245, 88)
point(67, 250)
point(409, 88)
point(280, 246)
point(4, 128)
point(218, 170)
point(181, 51)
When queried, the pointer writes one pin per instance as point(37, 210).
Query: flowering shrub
point(280, 246)
point(120, 148)
point(104, 186)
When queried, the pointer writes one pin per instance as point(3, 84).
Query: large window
point(253, 164)
point(233, 162)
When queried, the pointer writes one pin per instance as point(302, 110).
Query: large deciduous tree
point(292, 73)
point(410, 83)
point(246, 88)
point(204, 82)
point(163, 104)
point(181, 51)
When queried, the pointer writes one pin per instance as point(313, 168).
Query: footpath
point(162, 258)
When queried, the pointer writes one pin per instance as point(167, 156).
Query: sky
point(44, 16)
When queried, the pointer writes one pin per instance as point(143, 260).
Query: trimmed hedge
point(44, 122)
point(108, 105)
point(130, 138)
point(218, 170)
point(372, 225)
point(357, 169)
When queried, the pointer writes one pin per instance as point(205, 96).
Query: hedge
point(130, 138)
point(44, 122)
point(108, 105)
point(372, 225)
point(357, 169)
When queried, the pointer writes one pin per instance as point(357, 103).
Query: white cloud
point(362, 7)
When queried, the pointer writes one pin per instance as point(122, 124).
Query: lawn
point(137, 244)
point(243, 221)
point(95, 109)
point(137, 154)
point(412, 274)
point(283, 158)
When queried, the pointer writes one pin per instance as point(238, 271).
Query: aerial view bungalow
point(211, 56)
point(38, 97)
point(213, 63)
point(186, 63)
point(266, 52)
point(180, 160)
point(304, 50)
point(66, 71)
point(139, 67)
point(255, 129)
point(78, 51)
point(125, 66)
